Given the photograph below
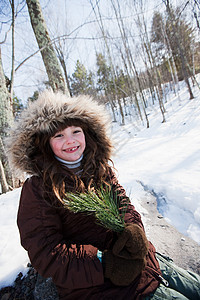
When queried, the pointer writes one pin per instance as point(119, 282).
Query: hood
point(41, 114)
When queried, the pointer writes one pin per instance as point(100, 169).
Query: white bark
point(3, 181)
point(6, 113)
point(50, 60)
point(6, 121)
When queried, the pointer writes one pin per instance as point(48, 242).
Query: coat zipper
point(158, 276)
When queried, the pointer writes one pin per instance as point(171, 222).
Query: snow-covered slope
point(166, 159)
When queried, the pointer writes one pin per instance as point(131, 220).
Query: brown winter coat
point(61, 244)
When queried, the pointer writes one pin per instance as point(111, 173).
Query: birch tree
point(180, 48)
point(6, 121)
point(112, 70)
point(153, 66)
point(104, 80)
point(49, 57)
point(128, 59)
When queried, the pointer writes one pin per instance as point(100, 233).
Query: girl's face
point(68, 144)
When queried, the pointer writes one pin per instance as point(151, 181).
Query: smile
point(71, 149)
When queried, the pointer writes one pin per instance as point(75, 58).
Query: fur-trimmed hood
point(41, 114)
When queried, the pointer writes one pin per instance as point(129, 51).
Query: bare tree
point(101, 26)
point(50, 60)
point(61, 58)
point(180, 49)
point(12, 3)
point(128, 59)
point(154, 68)
point(6, 121)
point(196, 11)
point(132, 88)
point(3, 181)
point(6, 113)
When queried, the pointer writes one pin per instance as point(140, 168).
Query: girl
point(64, 145)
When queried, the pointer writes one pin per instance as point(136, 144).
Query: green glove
point(120, 271)
point(132, 243)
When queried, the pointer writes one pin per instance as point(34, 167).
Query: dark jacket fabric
point(63, 245)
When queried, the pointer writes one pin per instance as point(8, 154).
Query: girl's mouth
point(71, 150)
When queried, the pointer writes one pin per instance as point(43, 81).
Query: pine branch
point(101, 204)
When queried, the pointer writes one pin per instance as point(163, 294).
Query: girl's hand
point(120, 271)
point(132, 243)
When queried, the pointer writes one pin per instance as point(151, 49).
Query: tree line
point(168, 53)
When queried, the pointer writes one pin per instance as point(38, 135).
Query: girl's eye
point(77, 131)
point(58, 135)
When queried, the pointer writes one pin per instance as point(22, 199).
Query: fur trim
point(41, 114)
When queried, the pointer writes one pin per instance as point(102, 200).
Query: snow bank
point(166, 158)
point(13, 258)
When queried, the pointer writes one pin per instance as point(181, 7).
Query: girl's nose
point(69, 139)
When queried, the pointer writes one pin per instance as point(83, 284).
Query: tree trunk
point(131, 88)
point(50, 60)
point(6, 167)
point(6, 122)
point(6, 113)
point(112, 107)
point(129, 54)
point(172, 66)
point(13, 50)
point(3, 181)
point(100, 23)
point(183, 60)
point(158, 79)
point(63, 65)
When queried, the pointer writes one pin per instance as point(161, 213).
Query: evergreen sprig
point(101, 203)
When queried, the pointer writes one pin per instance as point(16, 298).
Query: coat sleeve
point(41, 235)
point(131, 214)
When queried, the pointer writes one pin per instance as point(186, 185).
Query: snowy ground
point(164, 158)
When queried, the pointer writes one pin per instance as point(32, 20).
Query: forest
point(123, 53)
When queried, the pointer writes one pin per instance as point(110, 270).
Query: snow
point(163, 159)
point(166, 160)
point(13, 258)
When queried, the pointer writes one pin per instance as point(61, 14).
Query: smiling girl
point(63, 145)
point(68, 144)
